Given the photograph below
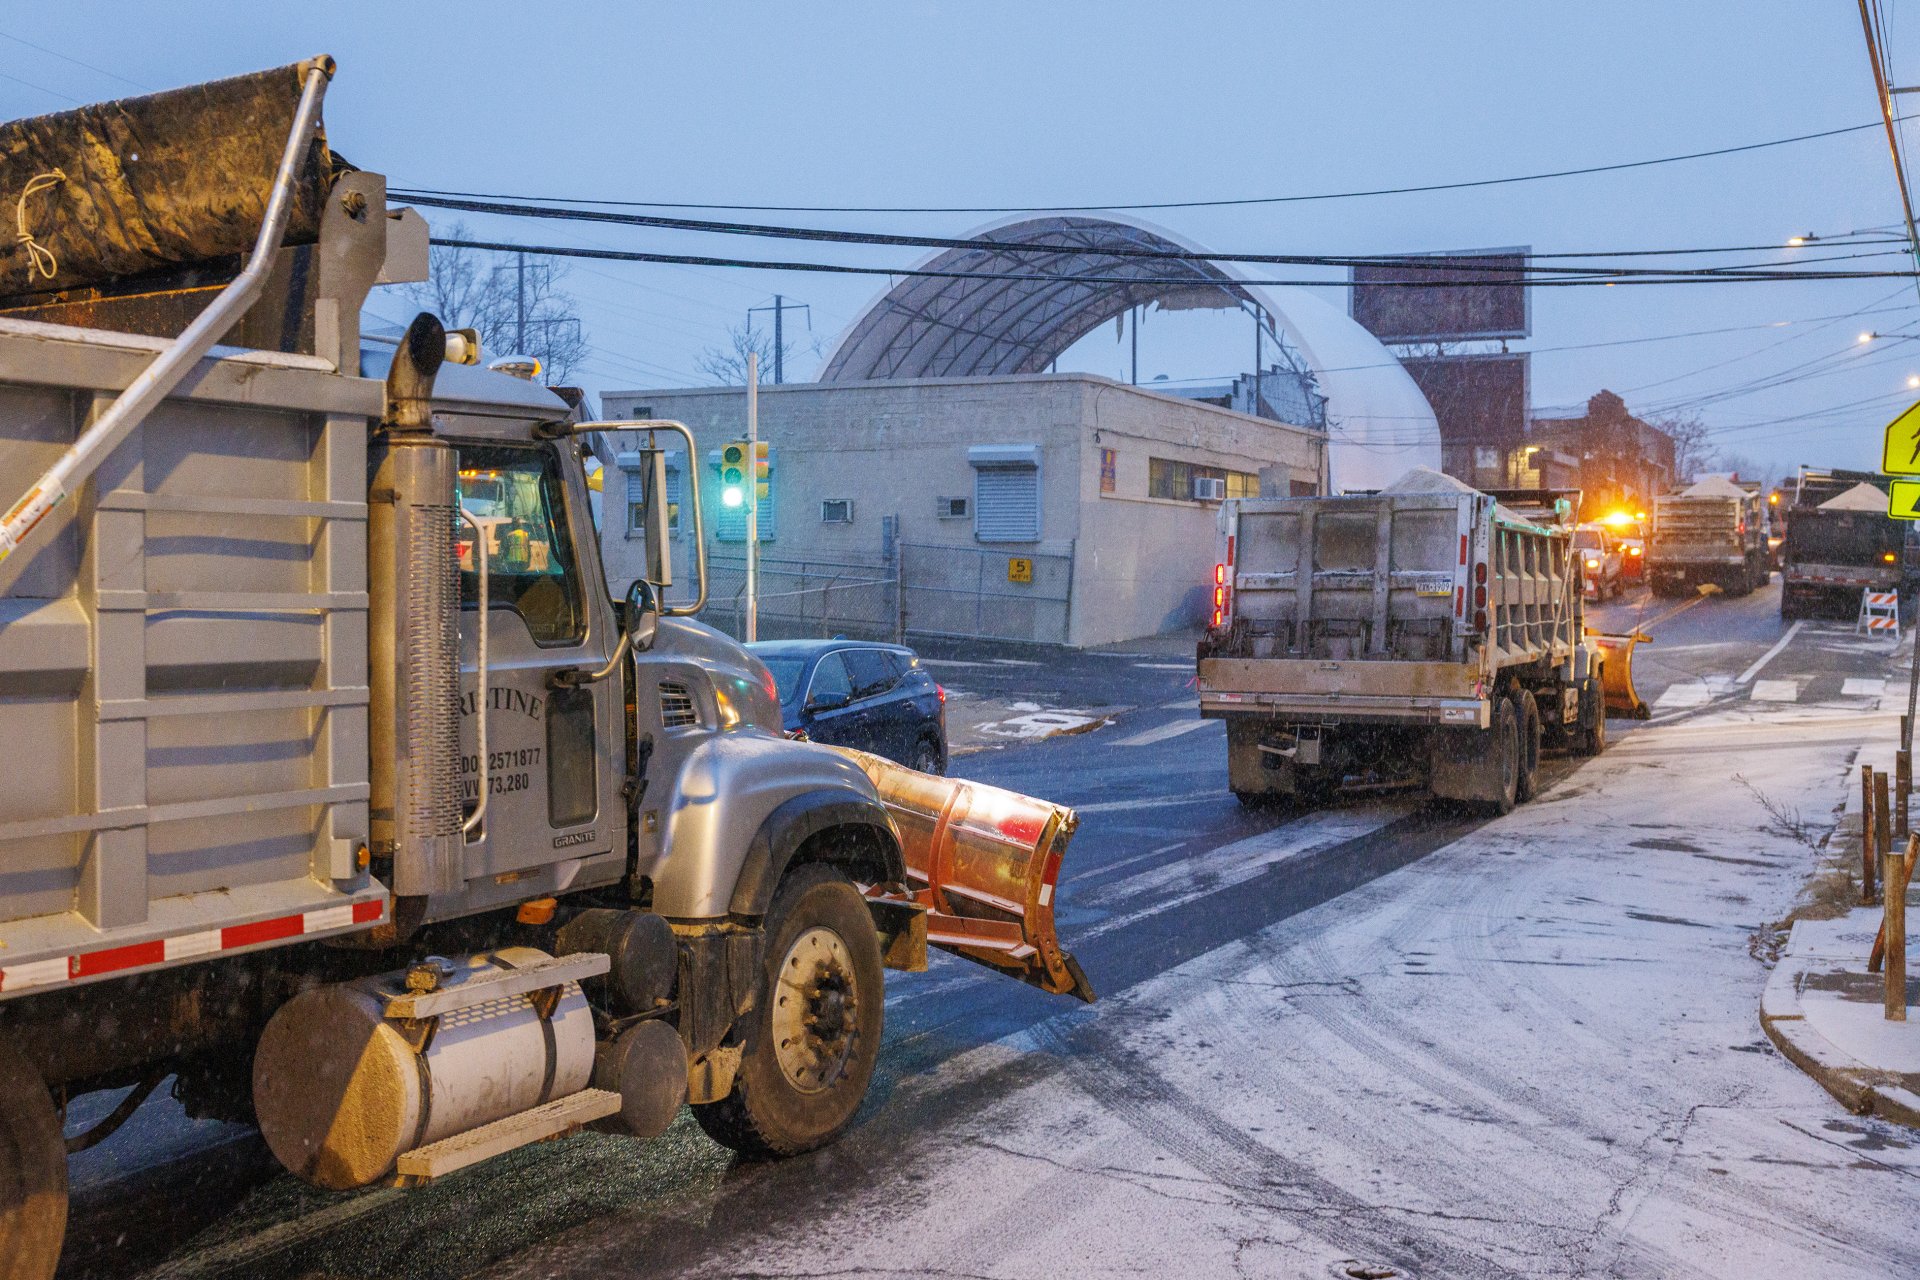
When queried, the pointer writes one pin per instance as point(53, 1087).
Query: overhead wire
point(1116, 207)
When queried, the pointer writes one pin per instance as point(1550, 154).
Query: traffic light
point(733, 473)
point(762, 471)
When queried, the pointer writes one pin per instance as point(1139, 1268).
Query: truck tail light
point(1222, 593)
point(940, 691)
point(1480, 573)
point(1480, 599)
point(1888, 556)
point(1219, 575)
point(1480, 620)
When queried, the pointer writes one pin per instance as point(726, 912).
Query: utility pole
point(520, 304)
point(1258, 356)
point(753, 496)
point(1886, 92)
point(779, 308)
point(1137, 312)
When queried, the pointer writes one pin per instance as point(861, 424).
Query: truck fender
point(722, 847)
point(876, 856)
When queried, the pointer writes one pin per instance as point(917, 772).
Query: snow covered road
point(1533, 1053)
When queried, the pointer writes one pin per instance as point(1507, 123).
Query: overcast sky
point(1035, 104)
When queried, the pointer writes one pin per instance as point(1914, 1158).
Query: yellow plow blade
point(984, 862)
point(1616, 674)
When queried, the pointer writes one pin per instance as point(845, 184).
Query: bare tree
point(517, 305)
point(727, 365)
point(1693, 450)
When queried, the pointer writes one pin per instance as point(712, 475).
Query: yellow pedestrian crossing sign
point(1903, 500)
point(1901, 454)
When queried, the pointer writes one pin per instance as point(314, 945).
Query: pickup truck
point(1429, 631)
point(351, 796)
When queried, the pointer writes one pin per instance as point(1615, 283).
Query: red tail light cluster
point(941, 691)
point(1222, 595)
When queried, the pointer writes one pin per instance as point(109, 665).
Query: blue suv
point(857, 693)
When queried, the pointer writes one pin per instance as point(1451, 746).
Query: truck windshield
point(786, 675)
point(1588, 540)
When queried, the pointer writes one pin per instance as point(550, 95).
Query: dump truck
point(1839, 542)
point(348, 795)
point(1428, 632)
point(1712, 533)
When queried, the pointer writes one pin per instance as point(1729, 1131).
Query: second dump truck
point(1429, 631)
point(1712, 533)
point(1839, 542)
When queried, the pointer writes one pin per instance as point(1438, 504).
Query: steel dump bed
point(1698, 530)
point(1391, 605)
point(183, 662)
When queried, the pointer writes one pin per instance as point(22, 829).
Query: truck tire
point(33, 1173)
point(1506, 758)
point(1528, 777)
point(809, 1044)
point(1590, 735)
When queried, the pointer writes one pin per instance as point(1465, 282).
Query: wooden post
point(1895, 924)
point(1902, 783)
point(1879, 953)
point(1869, 842)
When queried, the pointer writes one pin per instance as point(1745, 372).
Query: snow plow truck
point(347, 794)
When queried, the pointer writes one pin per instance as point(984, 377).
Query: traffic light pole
point(752, 498)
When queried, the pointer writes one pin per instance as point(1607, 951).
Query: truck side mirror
point(641, 615)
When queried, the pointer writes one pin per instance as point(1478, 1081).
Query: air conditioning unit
point(950, 508)
point(1209, 488)
point(836, 511)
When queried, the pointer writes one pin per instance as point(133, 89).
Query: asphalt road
point(1166, 869)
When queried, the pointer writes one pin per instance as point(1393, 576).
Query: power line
point(837, 268)
point(67, 57)
point(1450, 262)
point(1214, 204)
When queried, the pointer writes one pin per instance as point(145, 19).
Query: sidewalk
point(1823, 1009)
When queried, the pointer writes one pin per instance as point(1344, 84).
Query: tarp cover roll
point(153, 182)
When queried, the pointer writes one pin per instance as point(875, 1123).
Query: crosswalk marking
point(1683, 693)
point(1776, 691)
point(1162, 732)
point(1861, 687)
point(1698, 691)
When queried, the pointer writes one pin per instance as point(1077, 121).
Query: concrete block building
point(1052, 508)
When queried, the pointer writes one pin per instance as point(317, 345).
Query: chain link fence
point(928, 590)
point(980, 592)
point(806, 599)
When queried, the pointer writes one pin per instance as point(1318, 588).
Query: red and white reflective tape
point(186, 946)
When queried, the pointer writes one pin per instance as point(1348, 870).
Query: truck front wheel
point(809, 1044)
point(33, 1173)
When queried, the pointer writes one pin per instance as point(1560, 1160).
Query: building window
point(1006, 492)
point(836, 511)
point(951, 508)
point(1190, 481)
point(632, 466)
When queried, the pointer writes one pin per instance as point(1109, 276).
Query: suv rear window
point(870, 671)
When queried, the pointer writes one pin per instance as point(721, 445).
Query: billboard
point(1443, 297)
point(1477, 399)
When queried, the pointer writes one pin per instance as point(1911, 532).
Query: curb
point(1861, 1089)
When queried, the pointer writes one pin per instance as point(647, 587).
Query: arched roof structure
point(1014, 311)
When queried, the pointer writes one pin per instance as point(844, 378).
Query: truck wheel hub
point(815, 1011)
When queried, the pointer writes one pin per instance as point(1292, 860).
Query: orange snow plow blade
point(1616, 674)
point(984, 862)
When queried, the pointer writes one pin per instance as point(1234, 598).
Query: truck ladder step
point(497, 984)
point(549, 1120)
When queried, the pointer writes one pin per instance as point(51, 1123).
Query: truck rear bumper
point(1322, 709)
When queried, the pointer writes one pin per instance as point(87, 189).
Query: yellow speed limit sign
point(1019, 569)
point(1903, 500)
point(1900, 456)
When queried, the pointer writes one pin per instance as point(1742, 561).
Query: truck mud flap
point(984, 862)
point(1616, 674)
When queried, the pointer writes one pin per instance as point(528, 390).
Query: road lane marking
point(1164, 666)
point(1149, 802)
point(1162, 732)
point(1861, 687)
point(1772, 653)
point(1775, 691)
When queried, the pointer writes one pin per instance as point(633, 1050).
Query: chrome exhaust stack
point(413, 585)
